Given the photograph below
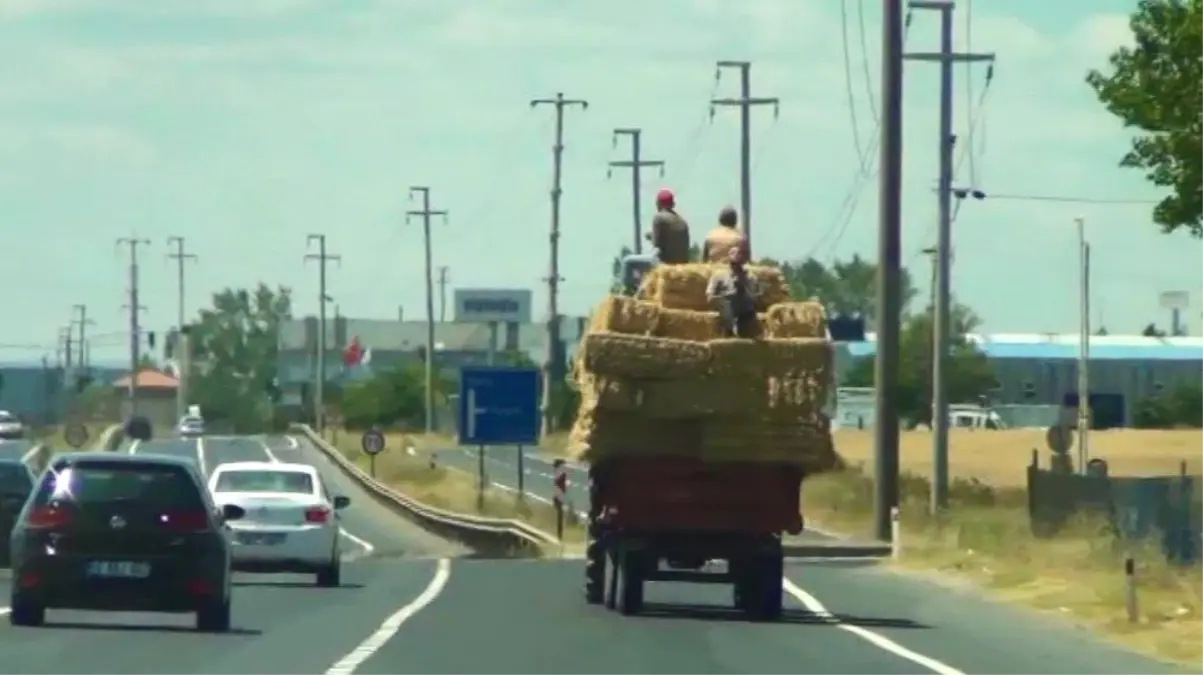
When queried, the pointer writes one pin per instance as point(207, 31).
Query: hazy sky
point(245, 125)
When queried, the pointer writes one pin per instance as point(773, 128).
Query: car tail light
point(185, 521)
point(317, 514)
point(48, 518)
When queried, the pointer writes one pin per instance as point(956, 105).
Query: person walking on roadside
point(669, 233)
point(718, 243)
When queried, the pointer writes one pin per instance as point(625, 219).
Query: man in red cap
point(670, 232)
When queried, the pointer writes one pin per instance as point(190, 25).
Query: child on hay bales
point(733, 293)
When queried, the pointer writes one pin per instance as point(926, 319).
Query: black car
point(116, 532)
point(16, 482)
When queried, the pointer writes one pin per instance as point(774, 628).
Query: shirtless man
point(670, 232)
point(720, 241)
point(733, 293)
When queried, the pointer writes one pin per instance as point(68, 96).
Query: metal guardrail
point(480, 533)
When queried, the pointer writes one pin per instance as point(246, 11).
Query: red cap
point(665, 198)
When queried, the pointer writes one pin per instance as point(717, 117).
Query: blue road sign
point(499, 406)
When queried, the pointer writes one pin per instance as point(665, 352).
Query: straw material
point(684, 286)
point(602, 434)
point(807, 444)
point(643, 358)
point(796, 320)
point(741, 359)
point(693, 398)
point(620, 314)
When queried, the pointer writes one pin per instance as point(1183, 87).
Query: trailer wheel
point(765, 601)
point(630, 583)
point(595, 573)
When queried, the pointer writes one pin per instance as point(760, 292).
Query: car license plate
point(260, 538)
point(118, 569)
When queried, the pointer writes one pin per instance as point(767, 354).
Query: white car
point(291, 521)
point(10, 427)
point(190, 426)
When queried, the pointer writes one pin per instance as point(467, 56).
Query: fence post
point(1130, 589)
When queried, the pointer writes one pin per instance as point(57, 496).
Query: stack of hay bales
point(657, 377)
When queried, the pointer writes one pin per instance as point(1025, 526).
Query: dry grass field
point(1000, 457)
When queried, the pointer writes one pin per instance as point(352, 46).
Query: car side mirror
point(232, 512)
point(341, 502)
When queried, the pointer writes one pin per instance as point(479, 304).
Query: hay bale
point(688, 324)
point(737, 359)
point(643, 358)
point(796, 320)
point(684, 286)
point(806, 444)
point(603, 434)
point(691, 398)
point(620, 314)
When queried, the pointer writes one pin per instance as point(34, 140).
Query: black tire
point(630, 584)
point(765, 601)
point(25, 612)
point(595, 573)
point(214, 617)
point(330, 577)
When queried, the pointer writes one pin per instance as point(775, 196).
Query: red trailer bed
point(678, 494)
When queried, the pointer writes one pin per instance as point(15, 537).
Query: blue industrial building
point(1042, 369)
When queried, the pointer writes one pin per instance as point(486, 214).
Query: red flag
point(353, 354)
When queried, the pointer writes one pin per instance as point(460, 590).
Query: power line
point(636, 164)
point(180, 257)
point(323, 258)
point(135, 335)
point(745, 102)
point(426, 213)
point(861, 157)
point(552, 363)
point(864, 59)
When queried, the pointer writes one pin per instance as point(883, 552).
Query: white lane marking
point(812, 604)
point(32, 451)
point(133, 447)
point(347, 664)
point(200, 456)
point(364, 544)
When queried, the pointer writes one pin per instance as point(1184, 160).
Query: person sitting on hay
point(732, 292)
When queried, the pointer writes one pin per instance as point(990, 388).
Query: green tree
point(1181, 408)
point(234, 347)
point(1157, 87)
point(970, 373)
point(390, 398)
point(845, 286)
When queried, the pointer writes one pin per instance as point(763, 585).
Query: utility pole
point(1083, 346)
point(636, 164)
point(83, 322)
point(443, 269)
point(319, 388)
point(947, 58)
point(889, 263)
point(426, 213)
point(550, 368)
point(180, 257)
point(135, 331)
point(745, 103)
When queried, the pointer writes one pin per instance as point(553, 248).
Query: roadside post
point(561, 482)
point(498, 406)
point(521, 473)
point(372, 444)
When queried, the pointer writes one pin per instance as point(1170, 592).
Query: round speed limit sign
point(373, 442)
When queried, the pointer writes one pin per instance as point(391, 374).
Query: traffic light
point(150, 339)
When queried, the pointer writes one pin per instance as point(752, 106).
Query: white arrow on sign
point(473, 411)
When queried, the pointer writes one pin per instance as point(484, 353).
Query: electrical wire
point(1064, 199)
point(864, 55)
point(863, 174)
point(969, 92)
point(850, 96)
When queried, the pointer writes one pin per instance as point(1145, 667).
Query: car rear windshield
point(14, 479)
point(155, 485)
point(247, 480)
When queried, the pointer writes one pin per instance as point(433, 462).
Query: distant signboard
point(483, 305)
point(499, 406)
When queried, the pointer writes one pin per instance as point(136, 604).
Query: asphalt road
point(402, 609)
